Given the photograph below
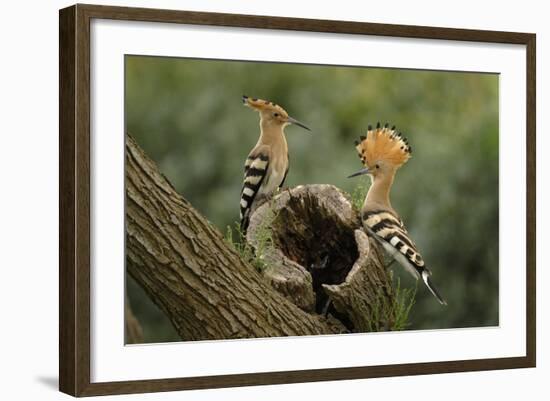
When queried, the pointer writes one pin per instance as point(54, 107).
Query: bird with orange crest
point(383, 151)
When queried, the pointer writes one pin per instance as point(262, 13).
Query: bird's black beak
point(360, 172)
point(298, 123)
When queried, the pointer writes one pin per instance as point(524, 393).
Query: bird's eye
point(377, 166)
point(275, 114)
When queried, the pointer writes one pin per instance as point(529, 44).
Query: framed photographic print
point(313, 200)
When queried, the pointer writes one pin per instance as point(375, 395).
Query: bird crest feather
point(261, 104)
point(383, 143)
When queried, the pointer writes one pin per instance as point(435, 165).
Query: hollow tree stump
point(321, 260)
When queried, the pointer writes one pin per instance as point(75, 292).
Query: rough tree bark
point(208, 292)
point(190, 271)
point(318, 252)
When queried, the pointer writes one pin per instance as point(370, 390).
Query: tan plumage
point(383, 143)
point(267, 163)
point(383, 151)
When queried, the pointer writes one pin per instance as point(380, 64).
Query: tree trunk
point(208, 291)
point(190, 271)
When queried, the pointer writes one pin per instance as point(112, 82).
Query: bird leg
point(271, 197)
point(324, 312)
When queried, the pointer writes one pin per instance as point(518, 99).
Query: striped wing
point(389, 228)
point(255, 171)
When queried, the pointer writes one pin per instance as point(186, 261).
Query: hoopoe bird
point(266, 166)
point(383, 151)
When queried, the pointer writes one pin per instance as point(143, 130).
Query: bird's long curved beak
point(298, 123)
point(360, 172)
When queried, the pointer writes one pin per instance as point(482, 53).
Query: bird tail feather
point(432, 288)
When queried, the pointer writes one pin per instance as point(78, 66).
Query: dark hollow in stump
point(314, 246)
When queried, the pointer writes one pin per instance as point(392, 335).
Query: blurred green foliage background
point(188, 116)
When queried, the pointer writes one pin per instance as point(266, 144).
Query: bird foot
point(326, 307)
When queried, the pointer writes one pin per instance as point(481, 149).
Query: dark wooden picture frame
point(74, 203)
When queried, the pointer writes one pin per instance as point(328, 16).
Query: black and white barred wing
point(389, 230)
point(255, 171)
